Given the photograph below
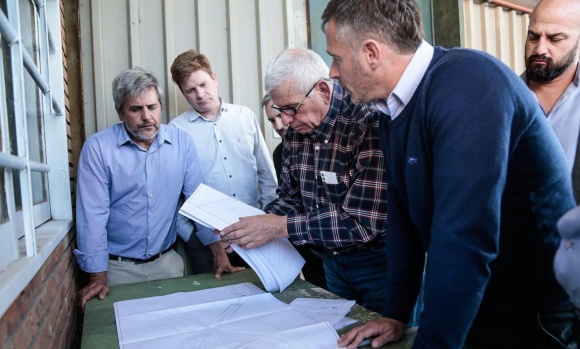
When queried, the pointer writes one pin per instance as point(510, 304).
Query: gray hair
point(131, 83)
point(267, 98)
point(303, 67)
point(394, 22)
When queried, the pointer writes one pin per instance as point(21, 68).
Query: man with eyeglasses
point(331, 182)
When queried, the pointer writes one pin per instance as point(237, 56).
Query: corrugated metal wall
point(239, 37)
point(497, 30)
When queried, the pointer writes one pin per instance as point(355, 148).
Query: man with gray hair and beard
point(130, 178)
point(552, 73)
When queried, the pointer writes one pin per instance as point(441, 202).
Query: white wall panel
point(239, 37)
point(244, 58)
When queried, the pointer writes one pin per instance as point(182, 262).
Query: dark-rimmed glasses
point(293, 110)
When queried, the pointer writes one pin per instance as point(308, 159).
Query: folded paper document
point(276, 263)
point(332, 311)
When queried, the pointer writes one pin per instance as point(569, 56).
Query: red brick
point(10, 322)
point(42, 337)
point(31, 322)
point(22, 338)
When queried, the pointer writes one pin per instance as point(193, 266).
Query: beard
point(362, 87)
point(551, 70)
point(141, 136)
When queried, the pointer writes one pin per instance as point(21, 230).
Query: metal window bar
point(17, 163)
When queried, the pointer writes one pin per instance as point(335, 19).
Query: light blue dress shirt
point(233, 156)
point(565, 118)
point(127, 196)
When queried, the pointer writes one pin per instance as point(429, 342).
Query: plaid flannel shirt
point(354, 210)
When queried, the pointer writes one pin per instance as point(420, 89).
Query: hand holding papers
point(277, 263)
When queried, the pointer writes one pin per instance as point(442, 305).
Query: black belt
point(353, 248)
point(139, 261)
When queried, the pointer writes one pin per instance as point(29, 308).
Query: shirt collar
point(194, 114)
point(124, 138)
point(407, 85)
point(323, 131)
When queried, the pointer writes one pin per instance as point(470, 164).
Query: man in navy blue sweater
point(477, 181)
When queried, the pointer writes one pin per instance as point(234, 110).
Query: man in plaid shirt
point(333, 183)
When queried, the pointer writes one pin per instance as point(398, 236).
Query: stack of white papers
point(237, 316)
point(277, 263)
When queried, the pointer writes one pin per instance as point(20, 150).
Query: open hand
point(387, 330)
point(97, 287)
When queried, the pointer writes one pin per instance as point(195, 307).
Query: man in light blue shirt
point(130, 178)
point(233, 155)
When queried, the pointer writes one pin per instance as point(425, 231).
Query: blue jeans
point(359, 275)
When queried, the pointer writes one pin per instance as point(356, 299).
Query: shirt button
point(225, 158)
point(569, 244)
point(234, 195)
point(317, 148)
point(151, 195)
point(230, 176)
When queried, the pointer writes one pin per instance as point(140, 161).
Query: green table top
point(100, 331)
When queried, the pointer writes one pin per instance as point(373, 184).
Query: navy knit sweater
point(477, 179)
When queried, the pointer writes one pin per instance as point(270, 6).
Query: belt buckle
point(141, 261)
point(347, 250)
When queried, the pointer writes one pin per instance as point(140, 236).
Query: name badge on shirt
point(328, 177)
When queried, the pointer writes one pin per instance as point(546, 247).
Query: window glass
point(34, 99)
point(28, 25)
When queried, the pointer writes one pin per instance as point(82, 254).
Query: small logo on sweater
point(412, 160)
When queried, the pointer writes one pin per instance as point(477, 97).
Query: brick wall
point(45, 315)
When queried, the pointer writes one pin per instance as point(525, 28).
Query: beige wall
point(496, 30)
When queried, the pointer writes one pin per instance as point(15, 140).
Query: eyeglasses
point(293, 110)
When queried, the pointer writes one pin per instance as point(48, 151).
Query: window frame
point(43, 226)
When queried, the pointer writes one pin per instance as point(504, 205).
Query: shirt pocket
point(335, 193)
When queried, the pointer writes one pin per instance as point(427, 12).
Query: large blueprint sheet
point(237, 316)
